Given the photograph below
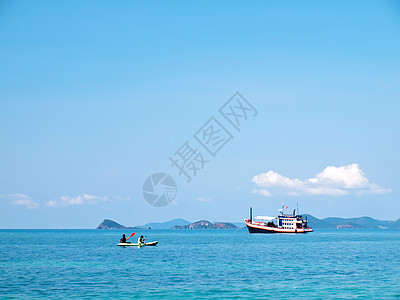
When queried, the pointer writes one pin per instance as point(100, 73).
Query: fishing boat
point(283, 223)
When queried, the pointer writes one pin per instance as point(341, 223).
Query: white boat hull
point(260, 228)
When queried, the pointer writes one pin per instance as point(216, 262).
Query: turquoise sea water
point(219, 264)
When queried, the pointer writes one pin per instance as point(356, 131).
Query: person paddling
point(123, 239)
point(141, 240)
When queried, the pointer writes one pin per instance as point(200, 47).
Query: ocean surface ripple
point(200, 264)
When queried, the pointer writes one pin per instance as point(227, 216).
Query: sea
point(200, 264)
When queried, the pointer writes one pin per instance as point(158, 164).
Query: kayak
point(138, 245)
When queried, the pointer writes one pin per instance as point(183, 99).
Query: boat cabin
point(282, 221)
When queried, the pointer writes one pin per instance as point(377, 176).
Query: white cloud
point(28, 203)
point(22, 199)
point(77, 200)
point(204, 199)
point(273, 179)
point(332, 181)
point(19, 196)
point(51, 203)
point(25, 200)
point(261, 192)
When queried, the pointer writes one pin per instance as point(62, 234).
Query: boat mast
point(251, 214)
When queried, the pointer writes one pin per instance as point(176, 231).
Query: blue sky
point(95, 96)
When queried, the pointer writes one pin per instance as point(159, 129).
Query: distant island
point(361, 222)
point(110, 224)
point(173, 224)
point(331, 222)
point(204, 224)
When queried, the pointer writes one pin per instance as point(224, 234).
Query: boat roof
point(265, 218)
point(288, 216)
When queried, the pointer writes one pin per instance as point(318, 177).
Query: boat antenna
point(298, 212)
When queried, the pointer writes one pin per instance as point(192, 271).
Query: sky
point(96, 96)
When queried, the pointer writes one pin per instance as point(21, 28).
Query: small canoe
point(137, 245)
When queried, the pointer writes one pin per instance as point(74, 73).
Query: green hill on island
point(110, 224)
point(204, 224)
point(361, 222)
point(174, 224)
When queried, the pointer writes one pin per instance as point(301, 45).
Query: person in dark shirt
point(123, 239)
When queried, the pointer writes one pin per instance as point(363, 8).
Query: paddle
point(131, 236)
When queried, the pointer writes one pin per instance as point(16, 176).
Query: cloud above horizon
point(332, 181)
point(21, 199)
point(26, 201)
point(82, 199)
point(204, 199)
